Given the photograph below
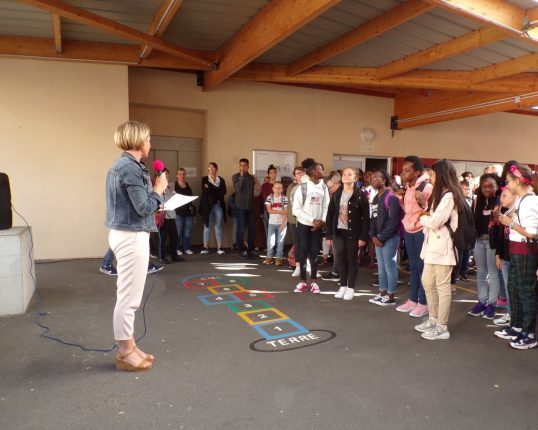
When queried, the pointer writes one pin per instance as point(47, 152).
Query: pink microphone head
point(158, 166)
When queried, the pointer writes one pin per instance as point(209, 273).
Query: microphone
point(158, 167)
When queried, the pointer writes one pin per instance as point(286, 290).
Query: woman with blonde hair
point(131, 202)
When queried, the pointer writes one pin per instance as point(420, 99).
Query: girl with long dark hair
point(487, 273)
point(438, 251)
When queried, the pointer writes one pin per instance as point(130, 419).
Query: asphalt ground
point(375, 373)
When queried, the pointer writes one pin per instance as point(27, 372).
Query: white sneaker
point(438, 332)
point(340, 293)
point(297, 272)
point(350, 293)
point(314, 288)
point(178, 252)
point(503, 321)
point(220, 251)
point(204, 251)
point(426, 325)
point(189, 252)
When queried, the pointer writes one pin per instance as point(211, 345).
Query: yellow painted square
point(250, 321)
point(226, 289)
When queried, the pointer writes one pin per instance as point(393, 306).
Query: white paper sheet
point(178, 200)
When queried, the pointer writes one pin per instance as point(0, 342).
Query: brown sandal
point(149, 357)
point(121, 364)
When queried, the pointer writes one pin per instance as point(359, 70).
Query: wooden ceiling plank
point(376, 26)
point(84, 51)
point(160, 22)
point(506, 68)
point(276, 21)
point(458, 106)
point(453, 47)
point(418, 79)
point(57, 30)
point(83, 16)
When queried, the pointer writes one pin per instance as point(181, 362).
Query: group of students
point(441, 221)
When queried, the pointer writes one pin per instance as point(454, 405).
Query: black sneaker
point(331, 277)
point(108, 270)
point(386, 301)
point(154, 268)
point(508, 333)
point(463, 277)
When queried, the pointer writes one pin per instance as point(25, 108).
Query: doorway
point(176, 152)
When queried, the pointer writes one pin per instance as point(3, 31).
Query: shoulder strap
point(304, 186)
point(518, 206)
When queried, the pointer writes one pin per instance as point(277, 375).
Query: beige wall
point(242, 116)
point(57, 121)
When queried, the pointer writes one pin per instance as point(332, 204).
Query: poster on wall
point(284, 161)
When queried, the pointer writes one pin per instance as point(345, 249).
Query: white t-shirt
point(277, 204)
point(526, 215)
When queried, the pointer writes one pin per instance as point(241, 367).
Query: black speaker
point(6, 216)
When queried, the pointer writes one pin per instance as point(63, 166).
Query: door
point(177, 152)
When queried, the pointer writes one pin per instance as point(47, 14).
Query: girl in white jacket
point(438, 251)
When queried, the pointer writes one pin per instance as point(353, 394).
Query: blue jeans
point(413, 244)
point(275, 236)
point(486, 270)
point(107, 260)
point(387, 264)
point(245, 217)
point(184, 229)
point(215, 221)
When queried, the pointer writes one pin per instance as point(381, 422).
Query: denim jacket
point(130, 199)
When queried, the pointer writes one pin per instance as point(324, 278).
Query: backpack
point(464, 237)
point(401, 229)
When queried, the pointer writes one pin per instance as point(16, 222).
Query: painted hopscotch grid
point(268, 321)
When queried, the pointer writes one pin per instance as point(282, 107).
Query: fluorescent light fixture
point(534, 107)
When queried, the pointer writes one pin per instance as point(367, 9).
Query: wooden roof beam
point(413, 110)
point(83, 16)
point(506, 68)
point(366, 77)
point(160, 22)
point(100, 52)
point(376, 26)
point(500, 14)
point(453, 47)
point(57, 30)
point(276, 21)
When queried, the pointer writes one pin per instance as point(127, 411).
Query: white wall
point(57, 121)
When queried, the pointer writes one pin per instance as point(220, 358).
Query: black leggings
point(309, 243)
point(347, 253)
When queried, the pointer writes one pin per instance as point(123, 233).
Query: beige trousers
point(436, 281)
point(131, 249)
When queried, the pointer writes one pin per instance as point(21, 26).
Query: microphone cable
point(38, 315)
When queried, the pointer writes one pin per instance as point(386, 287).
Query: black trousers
point(309, 243)
point(347, 253)
point(168, 229)
point(245, 218)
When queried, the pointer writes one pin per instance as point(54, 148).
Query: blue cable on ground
point(39, 314)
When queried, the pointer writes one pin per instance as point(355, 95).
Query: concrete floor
point(377, 373)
